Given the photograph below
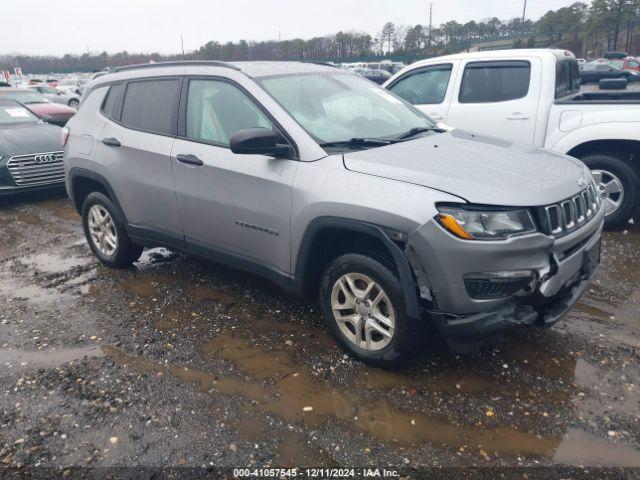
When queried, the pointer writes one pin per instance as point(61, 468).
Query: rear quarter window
point(112, 101)
point(151, 106)
point(490, 82)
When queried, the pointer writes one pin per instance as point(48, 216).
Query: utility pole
point(182, 45)
point(430, 22)
point(524, 12)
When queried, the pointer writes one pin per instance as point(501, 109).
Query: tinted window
point(111, 105)
point(151, 105)
point(216, 110)
point(424, 86)
point(633, 64)
point(485, 82)
point(567, 78)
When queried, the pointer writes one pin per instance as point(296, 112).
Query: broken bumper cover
point(465, 333)
point(560, 267)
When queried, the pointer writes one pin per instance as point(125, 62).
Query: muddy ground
point(180, 362)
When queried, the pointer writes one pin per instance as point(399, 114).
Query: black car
point(594, 72)
point(30, 151)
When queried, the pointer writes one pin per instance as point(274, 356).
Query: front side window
point(151, 106)
point(489, 82)
point(217, 109)
point(425, 86)
point(338, 107)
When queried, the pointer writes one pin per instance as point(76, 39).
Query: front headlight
point(476, 223)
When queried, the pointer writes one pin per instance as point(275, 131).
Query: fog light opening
point(494, 285)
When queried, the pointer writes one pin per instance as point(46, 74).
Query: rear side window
point(425, 86)
point(567, 78)
point(151, 106)
point(111, 105)
point(488, 82)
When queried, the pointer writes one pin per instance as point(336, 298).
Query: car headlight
point(477, 223)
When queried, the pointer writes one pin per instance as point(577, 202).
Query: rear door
point(497, 98)
point(237, 206)
point(135, 151)
point(428, 88)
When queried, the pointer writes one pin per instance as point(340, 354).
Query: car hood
point(50, 109)
point(27, 139)
point(479, 169)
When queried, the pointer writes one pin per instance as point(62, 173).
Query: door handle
point(189, 160)
point(111, 142)
point(517, 116)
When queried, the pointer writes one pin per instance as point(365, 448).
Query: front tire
point(363, 304)
point(105, 234)
point(618, 185)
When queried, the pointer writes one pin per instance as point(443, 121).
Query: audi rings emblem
point(45, 158)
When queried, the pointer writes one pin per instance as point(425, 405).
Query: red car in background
point(628, 63)
point(50, 112)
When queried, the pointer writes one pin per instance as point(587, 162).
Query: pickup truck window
point(567, 78)
point(488, 82)
point(424, 86)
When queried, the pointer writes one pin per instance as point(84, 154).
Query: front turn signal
point(452, 225)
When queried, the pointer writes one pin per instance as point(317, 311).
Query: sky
point(50, 27)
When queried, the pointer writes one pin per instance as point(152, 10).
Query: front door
point(428, 88)
point(234, 205)
point(497, 98)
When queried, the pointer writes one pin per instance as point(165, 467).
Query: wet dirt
point(188, 363)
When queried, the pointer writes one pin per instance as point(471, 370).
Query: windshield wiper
point(418, 130)
point(358, 142)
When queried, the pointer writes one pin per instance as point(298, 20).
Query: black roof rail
point(326, 64)
point(177, 63)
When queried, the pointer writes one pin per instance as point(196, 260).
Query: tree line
point(587, 30)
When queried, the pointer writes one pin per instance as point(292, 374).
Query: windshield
point(27, 97)
point(339, 107)
point(16, 114)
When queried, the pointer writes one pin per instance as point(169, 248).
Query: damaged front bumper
point(560, 271)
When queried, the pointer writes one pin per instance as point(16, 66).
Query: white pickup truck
point(533, 96)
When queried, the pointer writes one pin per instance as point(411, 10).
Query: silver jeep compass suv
point(329, 185)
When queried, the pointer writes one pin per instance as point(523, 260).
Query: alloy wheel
point(363, 311)
point(102, 230)
point(610, 188)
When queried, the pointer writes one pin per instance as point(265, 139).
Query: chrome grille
point(571, 214)
point(36, 169)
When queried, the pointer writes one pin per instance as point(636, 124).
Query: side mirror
point(258, 141)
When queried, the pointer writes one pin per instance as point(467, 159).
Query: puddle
point(252, 429)
point(280, 387)
point(53, 263)
point(294, 451)
point(22, 359)
point(146, 286)
point(61, 208)
point(30, 219)
point(582, 448)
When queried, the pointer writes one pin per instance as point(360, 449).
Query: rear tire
point(105, 234)
point(387, 334)
point(613, 171)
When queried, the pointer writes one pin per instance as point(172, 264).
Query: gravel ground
point(180, 362)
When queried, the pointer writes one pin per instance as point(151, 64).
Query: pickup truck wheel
point(363, 304)
point(618, 185)
point(106, 236)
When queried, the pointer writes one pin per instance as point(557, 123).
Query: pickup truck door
point(498, 98)
point(428, 88)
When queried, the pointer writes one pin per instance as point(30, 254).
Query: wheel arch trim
point(318, 225)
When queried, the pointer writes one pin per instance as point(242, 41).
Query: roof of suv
point(251, 69)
